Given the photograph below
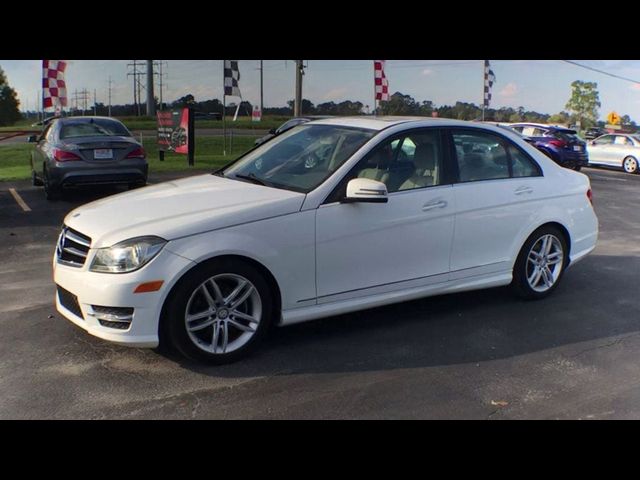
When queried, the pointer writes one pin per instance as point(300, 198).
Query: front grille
point(69, 301)
point(73, 247)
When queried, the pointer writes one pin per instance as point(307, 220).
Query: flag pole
point(224, 113)
point(484, 81)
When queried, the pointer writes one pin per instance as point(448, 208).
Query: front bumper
point(116, 290)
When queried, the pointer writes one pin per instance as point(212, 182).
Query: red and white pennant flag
point(54, 88)
point(381, 82)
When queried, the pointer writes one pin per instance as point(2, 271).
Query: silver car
point(78, 151)
point(615, 150)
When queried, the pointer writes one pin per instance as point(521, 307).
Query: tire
point(52, 192)
point(35, 180)
point(577, 168)
point(527, 283)
point(188, 298)
point(630, 165)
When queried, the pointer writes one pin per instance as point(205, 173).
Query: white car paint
point(613, 154)
point(328, 258)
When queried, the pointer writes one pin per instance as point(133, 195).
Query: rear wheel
point(577, 168)
point(630, 165)
point(219, 312)
point(540, 263)
point(51, 191)
point(35, 180)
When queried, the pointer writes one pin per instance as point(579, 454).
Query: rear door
point(496, 197)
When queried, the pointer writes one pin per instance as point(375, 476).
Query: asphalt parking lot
point(476, 355)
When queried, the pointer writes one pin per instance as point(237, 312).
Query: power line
point(602, 72)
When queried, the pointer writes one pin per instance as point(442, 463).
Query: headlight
point(127, 256)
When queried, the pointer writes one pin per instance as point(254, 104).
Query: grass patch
point(15, 164)
point(150, 123)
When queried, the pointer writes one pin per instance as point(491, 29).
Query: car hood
point(180, 208)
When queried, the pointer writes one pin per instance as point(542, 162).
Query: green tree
point(584, 103)
point(560, 118)
point(9, 103)
point(399, 104)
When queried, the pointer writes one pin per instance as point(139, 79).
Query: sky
point(540, 85)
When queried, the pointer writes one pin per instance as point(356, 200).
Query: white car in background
point(615, 150)
point(330, 217)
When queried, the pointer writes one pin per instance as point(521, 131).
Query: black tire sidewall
point(177, 302)
point(520, 283)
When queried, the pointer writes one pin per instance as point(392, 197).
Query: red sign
point(173, 131)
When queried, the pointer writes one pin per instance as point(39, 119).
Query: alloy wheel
point(630, 165)
point(223, 313)
point(544, 263)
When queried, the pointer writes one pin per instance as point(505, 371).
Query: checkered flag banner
point(380, 79)
point(489, 80)
point(54, 88)
point(231, 78)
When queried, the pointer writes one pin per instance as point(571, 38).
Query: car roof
point(543, 125)
point(86, 119)
point(382, 122)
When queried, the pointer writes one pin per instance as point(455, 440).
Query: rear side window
point(480, 157)
point(484, 156)
point(521, 164)
point(568, 136)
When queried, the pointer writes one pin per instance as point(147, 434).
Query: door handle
point(436, 204)
point(523, 189)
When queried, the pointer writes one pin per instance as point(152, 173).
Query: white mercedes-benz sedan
point(333, 216)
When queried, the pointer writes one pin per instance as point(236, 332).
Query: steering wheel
point(311, 160)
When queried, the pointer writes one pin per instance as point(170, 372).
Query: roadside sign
point(256, 115)
point(613, 127)
point(613, 118)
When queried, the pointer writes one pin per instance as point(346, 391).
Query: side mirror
point(272, 131)
point(32, 139)
point(366, 190)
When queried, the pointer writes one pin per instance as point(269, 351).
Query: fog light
point(112, 317)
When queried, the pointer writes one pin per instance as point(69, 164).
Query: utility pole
point(161, 75)
point(137, 99)
point(151, 101)
point(109, 95)
point(297, 106)
point(261, 89)
point(95, 103)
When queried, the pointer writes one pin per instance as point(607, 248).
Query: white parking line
point(19, 200)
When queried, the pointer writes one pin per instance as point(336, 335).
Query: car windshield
point(301, 158)
point(93, 128)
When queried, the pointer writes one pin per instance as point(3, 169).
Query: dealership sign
point(175, 132)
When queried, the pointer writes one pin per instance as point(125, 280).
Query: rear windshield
point(566, 135)
point(94, 128)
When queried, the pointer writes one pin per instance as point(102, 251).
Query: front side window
point(604, 140)
point(301, 158)
point(411, 161)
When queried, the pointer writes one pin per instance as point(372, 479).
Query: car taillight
point(64, 156)
point(590, 196)
point(137, 153)
point(558, 143)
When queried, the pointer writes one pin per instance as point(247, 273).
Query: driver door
point(371, 248)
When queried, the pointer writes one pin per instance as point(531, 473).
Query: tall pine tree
point(9, 103)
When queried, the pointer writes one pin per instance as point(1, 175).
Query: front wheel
point(540, 264)
point(219, 312)
point(630, 165)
